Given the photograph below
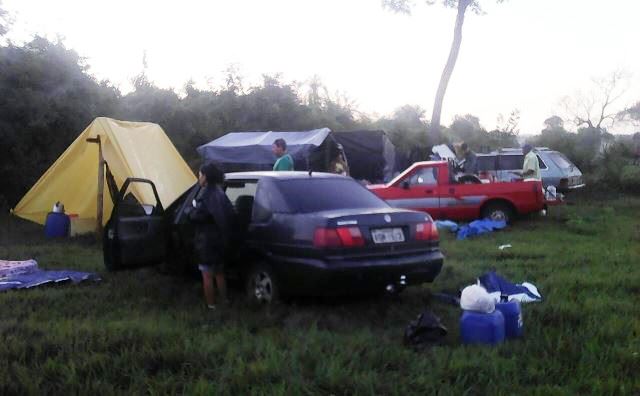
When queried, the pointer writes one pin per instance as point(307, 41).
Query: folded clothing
point(499, 287)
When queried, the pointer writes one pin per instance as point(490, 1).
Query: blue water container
point(513, 324)
point(482, 328)
point(57, 225)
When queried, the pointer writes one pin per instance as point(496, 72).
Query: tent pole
point(100, 185)
point(9, 234)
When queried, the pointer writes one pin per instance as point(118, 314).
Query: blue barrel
point(513, 324)
point(482, 328)
point(57, 225)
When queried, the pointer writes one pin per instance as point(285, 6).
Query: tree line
point(48, 96)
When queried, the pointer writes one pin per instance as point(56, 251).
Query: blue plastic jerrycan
point(482, 328)
point(56, 225)
point(513, 323)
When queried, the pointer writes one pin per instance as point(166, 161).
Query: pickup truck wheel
point(497, 211)
point(262, 286)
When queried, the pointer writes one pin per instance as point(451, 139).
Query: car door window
point(424, 177)
point(268, 200)
point(131, 205)
point(237, 189)
point(242, 195)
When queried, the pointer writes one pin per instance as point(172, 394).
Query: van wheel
point(498, 211)
point(262, 286)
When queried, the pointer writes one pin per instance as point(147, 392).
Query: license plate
point(387, 235)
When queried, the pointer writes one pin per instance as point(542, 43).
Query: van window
point(560, 160)
point(510, 162)
point(541, 163)
point(486, 163)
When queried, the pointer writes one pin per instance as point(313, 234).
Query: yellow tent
point(130, 149)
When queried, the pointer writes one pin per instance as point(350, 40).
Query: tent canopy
point(130, 149)
point(245, 151)
point(371, 154)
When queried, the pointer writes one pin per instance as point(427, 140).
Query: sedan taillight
point(426, 231)
point(338, 237)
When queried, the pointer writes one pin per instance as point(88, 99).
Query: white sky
point(523, 54)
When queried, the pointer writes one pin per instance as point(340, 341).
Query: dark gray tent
point(250, 151)
point(371, 154)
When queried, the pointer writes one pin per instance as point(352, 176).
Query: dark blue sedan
point(296, 234)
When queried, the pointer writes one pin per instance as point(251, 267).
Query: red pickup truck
point(434, 188)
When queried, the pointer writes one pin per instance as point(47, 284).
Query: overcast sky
point(522, 54)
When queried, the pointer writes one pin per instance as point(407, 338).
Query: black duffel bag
point(426, 330)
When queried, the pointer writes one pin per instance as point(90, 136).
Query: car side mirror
point(405, 185)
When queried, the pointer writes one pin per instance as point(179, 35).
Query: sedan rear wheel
point(262, 287)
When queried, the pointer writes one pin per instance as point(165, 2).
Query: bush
point(630, 178)
point(607, 166)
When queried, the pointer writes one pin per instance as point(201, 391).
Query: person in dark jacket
point(213, 216)
point(470, 161)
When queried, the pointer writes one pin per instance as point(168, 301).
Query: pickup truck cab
point(433, 187)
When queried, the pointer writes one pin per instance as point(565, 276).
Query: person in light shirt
point(531, 167)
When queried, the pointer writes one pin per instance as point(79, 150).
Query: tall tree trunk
point(448, 68)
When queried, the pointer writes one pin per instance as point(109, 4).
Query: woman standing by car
point(213, 216)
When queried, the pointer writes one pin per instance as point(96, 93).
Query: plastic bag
point(476, 298)
point(58, 207)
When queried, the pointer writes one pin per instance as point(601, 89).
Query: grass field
point(147, 332)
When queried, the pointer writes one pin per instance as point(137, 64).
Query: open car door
point(135, 235)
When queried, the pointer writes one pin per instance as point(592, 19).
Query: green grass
point(148, 332)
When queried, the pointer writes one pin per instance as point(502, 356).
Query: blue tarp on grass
point(38, 278)
point(480, 227)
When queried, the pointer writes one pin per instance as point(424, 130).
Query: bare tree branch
point(398, 6)
point(630, 113)
point(405, 7)
point(5, 21)
point(605, 93)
